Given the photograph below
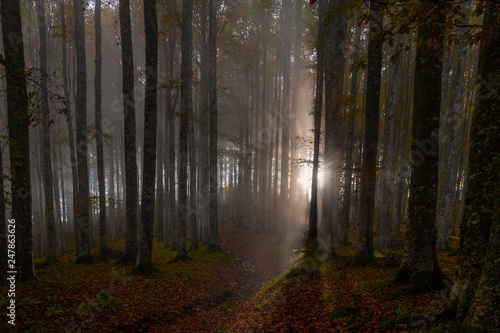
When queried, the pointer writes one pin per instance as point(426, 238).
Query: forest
point(250, 166)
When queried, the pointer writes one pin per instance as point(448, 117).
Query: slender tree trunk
point(67, 99)
point(419, 265)
point(186, 112)
point(286, 24)
point(145, 255)
point(312, 234)
point(295, 97)
point(349, 145)
point(192, 211)
point(83, 249)
point(160, 166)
point(212, 97)
point(364, 248)
point(173, 222)
point(98, 130)
point(388, 170)
point(131, 180)
point(47, 160)
point(334, 83)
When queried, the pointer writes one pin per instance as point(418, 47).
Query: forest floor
point(259, 284)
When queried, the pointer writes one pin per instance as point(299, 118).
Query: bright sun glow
point(305, 179)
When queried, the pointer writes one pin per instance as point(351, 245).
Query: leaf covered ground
point(259, 284)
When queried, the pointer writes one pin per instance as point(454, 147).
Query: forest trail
point(241, 290)
point(258, 258)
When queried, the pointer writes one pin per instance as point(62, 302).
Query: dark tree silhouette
point(17, 112)
point(83, 247)
point(131, 193)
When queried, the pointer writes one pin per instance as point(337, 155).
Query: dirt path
point(256, 258)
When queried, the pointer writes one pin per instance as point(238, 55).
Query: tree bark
point(476, 285)
point(312, 233)
point(186, 112)
point(18, 118)
point(212, 98)
point(364, 248)
point(98, 129)
point(145, 255)
point(47, 160)
point(388, 165)
point(349, 145)
point(83, 249)
point(131, 192)
point(285, 132)
point(419, 265)
point(334, 82)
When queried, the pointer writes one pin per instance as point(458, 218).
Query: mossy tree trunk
point(18, 118)
point(476, 290)
point(419, 265)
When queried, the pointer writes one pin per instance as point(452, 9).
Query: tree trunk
point(364, 248)
point(47, 160)
point(18, 118)
point(170, 128)
point(131, 180)
point(212, 97)
point(3, 221)
point(145, 255)
point(83, 249)
point(204, 129)
point(295, 98)
point(98, 129)
point(334, 83)
point(419, 265)
point(349, 144)
point(69, 118)
point(186, 112)
point(475, 290)
point(192, 211)
point(388, 167)
point(312, 233)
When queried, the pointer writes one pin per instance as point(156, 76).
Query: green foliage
point(228, 303)
point(402, 311)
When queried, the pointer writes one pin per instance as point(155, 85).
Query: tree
point(334, 82)
point(419, 264)
point(212, 98)
point(451, 135)
point(83, 247)
point(18, 117)
point(98, 129)
point(364, 248)
point(312, 234)
point(285, 133)
point(71, 136)
point(47, 161)
point(344, 224)
point(130, 134)
point(186, 112)
point(475, 290)
point(170, 117)
point(145, 257)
